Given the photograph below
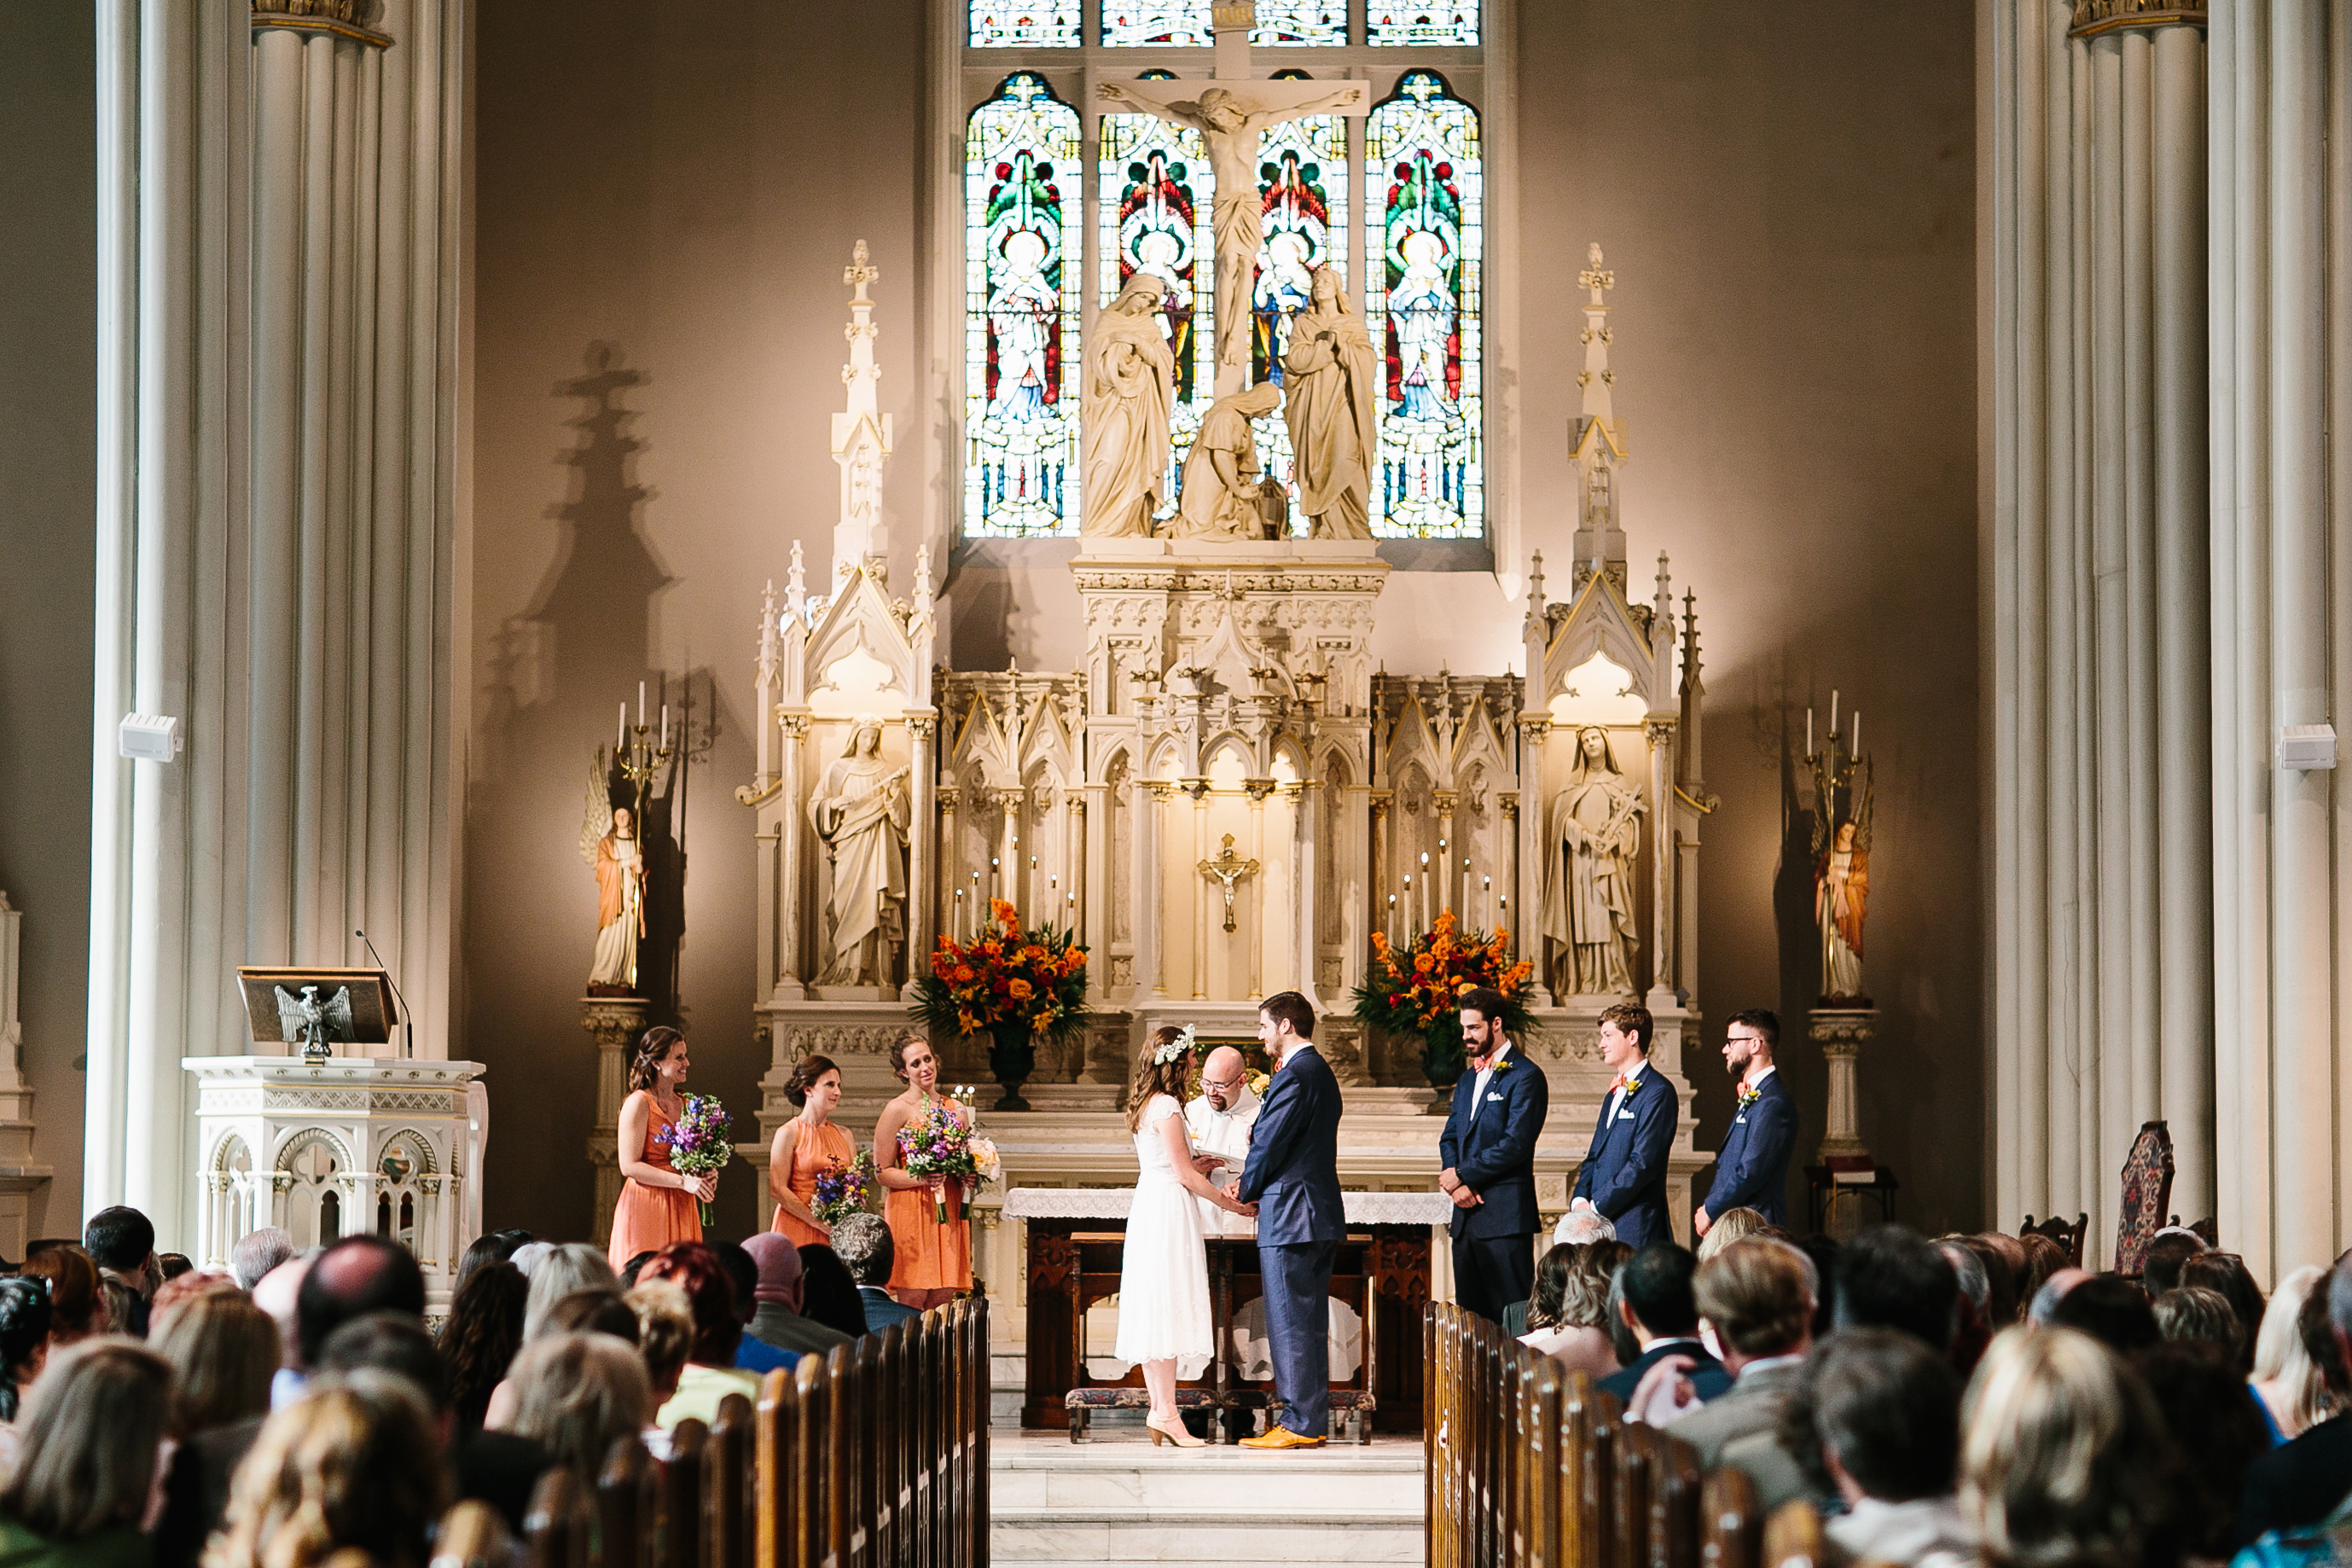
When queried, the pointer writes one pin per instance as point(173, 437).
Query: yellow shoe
point(1283, 1437)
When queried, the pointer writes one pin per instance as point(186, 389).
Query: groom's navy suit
point(1293, 1176)
point(1625, 1172)
point(1490, 1143)
point(1752, 1170)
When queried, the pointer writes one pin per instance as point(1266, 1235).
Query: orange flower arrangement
point(1008, 978)
point(1418, 990)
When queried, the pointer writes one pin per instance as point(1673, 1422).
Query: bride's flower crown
point(1175, 1050)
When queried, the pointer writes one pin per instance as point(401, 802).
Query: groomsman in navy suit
point(1752, 1171)
point(1625, 1172)
point(1489, 1150)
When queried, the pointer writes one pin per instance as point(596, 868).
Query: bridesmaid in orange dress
point(657, 1203)
point(806, 1148)
point(933, 1261)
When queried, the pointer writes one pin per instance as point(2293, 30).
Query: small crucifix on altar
point(1229, 113)
point(1226, 869)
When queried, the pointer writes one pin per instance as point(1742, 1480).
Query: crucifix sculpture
point(1226, 869)
point(1229, 113)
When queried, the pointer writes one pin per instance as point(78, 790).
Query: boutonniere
point(1750, 1096)
point(1631, 1086)
point(1506, 1065)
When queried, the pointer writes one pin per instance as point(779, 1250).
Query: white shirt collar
point(1495, 1060)
point(1767, 1363)
point(1761, 1077)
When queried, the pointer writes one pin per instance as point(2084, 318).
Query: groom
point(1292, 1181)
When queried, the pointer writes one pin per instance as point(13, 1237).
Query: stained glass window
point(1130, 24)
point(1302, 169)
point(1133, 23)
point(1021, 250)
point(1041, 25)
point(1294, 22)
point(1422, 27)
point(1423, 198)
point(1154, 195)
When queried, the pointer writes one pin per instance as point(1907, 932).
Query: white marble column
point(278, 532)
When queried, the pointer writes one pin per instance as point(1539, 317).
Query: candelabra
point(638, 758)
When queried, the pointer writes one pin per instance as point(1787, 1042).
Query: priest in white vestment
point(1219, 1121)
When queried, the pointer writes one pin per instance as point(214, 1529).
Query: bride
point(1163, 1285)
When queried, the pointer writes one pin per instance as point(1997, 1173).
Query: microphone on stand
point(408, 1029)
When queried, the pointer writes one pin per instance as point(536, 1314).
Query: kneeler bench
point(1082, 1403)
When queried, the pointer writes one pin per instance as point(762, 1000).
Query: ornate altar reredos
point(353, 1144)
point(1230, 798)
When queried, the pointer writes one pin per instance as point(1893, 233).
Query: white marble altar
point(389, 1147)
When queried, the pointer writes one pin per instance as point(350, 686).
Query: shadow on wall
point(560, 674)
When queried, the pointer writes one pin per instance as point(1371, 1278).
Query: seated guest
point(1732, 1225)
point(865, 1246)
point(575, 1266)
point(753, 1353)
point(1887, 1278)
point(2217, 1430)
point(777, 1320)
point(1973, 1329)
point(2003, 1259)
point(1579, 1226)
point(77, 1307)
point(94, 1433)
point(2063, 1456)
point(2112, 1310)
point(2301, 1483)
point(1873, 1420)
point(710, 1374)
point(2043, 1258)
point(2167, 1249)
point(1756, 1296)
point(497, 1468)
point(181, 1289)
point(2054, 1290)
point(353, 1463)
point(479, 1340)
point(224, 1352)
point(2294, 1395)
point(1651, 1298)
point(122, 1242)
point(1569, 1319)
point(275, 1295)
point(23, 1351)
point(579, 1395)
point(2194, 1313)
point(1823, 1251)
point(2226, 1272)
point(498, 1247)
point(604, 1312)
point(354, 1277)
point(665, 1334)
point(257, 1252)
point(169, 1265)
point(635, 1265)
point(828, 1295)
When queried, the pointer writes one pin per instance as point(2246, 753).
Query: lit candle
point(958, 923)
point(1486, 899)
point(1393, 920)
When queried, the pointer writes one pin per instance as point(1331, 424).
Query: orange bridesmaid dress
point(647, 1219)
point(812, 1157)
point(927, 1255)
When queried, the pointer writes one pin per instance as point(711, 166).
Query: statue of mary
point(860, 812)
point(1130, 372)
point(1588, 880)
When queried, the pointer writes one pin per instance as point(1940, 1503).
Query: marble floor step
point(1067, 1536)
point(1382, 1482)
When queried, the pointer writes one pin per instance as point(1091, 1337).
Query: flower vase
point(1011, 1057)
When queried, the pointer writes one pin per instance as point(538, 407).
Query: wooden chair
point(627, 1511)
point(473, 1536)
point(681, 1496)
point(2068, 1236)
point(727, 1487)
point(2146, 1193)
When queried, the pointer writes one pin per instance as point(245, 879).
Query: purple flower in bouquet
point(698, 1141)
point(937, 1143)
point(842, 1187)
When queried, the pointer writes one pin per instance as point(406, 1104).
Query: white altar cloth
point(1111, 1203)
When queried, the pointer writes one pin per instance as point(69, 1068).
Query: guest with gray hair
point(864, 1243)
point(559, 1272)
point(257, 1252)
point(1581, 1228)
point(1975, 1328)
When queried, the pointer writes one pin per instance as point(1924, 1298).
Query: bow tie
point(1624, 1083)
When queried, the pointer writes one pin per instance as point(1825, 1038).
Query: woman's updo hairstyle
point(24, 1329)
point(72, 1279)
point(645, 1062)
point(804, 1076)
point(907, 1041)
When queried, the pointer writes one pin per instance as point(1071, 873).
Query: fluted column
point(277, 533)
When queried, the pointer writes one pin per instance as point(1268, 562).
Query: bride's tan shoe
point(1176, 1434)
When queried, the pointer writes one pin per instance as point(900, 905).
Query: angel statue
point(1589, 880)
point(609, 847)
point(860, 810)
point(1841, 892)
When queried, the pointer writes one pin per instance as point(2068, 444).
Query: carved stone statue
point(1330, 386)
point(1229, 124)
point(1220, 499)
point(1588, 881)
point(1130, 378)
point(1841, 890)
point(860, 812)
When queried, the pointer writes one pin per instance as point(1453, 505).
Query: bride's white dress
point(1163, 1283)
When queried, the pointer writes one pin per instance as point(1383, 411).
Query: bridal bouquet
point(842, 1187)
point(937, 1143)
point(697, 1141)
point(1417, 989)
